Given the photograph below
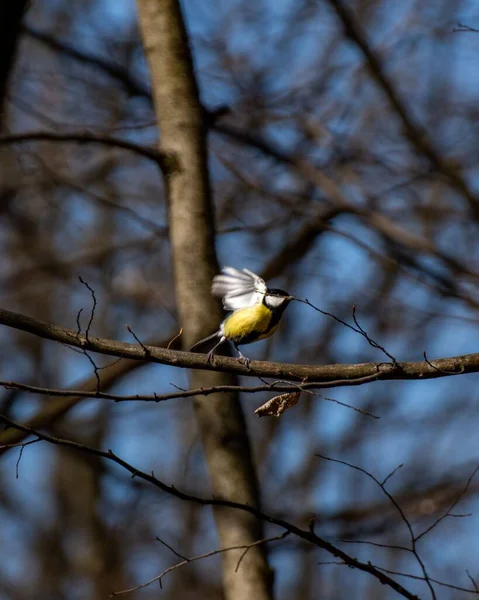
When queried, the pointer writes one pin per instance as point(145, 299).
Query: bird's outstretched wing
point(238, 289)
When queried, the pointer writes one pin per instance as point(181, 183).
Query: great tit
point(256, 308)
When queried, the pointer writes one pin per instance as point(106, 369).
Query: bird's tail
point(203, 342)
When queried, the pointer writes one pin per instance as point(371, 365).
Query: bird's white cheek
point(274, 301)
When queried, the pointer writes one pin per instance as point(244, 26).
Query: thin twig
point(464, 28)
point(92, 313)
point(22, 446)
point(158, 539)
point(146, 350)
point(186, 561)
point(453, 505)
point(85, 340)
point(357, 329)
point(78, 322)
point(413, 548)
point(473, 581)
point(179, 334)
point(327, 314)
point(376, 544)
point(372, 342)
point(258, 543)
point(276, 387)
point(408, 575)
point(345, 404)
point(442, 370)
point(392, 473)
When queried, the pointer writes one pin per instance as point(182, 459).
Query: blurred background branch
point(11, 16)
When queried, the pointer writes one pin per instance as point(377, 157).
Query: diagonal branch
point(114, 70)
point(416, 134)
point(307, 535)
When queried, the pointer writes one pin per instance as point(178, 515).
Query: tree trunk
point(220, 418)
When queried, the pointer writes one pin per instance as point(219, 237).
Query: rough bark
point(221, 421)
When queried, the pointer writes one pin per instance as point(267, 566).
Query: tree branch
point(337, 374)
point(163, 159)
point(115, 71)
point(307, 535)
point(416, 134)
point(62, 403)
point(185, 561)
point(275, 386)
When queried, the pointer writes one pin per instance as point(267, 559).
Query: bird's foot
point(210, 358)
point(245, 360)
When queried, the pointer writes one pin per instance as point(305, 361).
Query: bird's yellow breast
point(248, 324)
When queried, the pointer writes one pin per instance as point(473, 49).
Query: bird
point(255, 310)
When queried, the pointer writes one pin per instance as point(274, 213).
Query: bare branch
point(22, 447)
point(465, 28)
point(112, 69)
point(289, 388)
point(56, 407)
point(163, 160)
point(307, 535)
point(145, 349)
point(473, 581)
point(416, 134)
point(409, 576)
point(453, 505)
point(93, 308)
point(171, 549)
point(186, 561)
point(413, 549)
point(87, 331)
point(372, 342)
point(336, 375)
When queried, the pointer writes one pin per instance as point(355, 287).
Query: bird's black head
point(276, 298)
